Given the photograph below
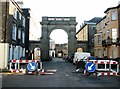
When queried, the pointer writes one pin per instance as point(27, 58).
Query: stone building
point(86, 34)
point(107, 38)
point(12, 32)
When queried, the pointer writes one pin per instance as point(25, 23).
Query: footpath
point(4, 72)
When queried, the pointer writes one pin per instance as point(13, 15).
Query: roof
point(94, 20)
point(111, 8)
point(101, 20)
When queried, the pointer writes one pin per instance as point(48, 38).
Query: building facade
point(52, 48)
point(27, 26)
point(106, 40)
point(12, 32)
point(86, 34)
point(61, 50)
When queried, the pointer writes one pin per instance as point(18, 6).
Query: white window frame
point(108, 32)
point(14, 31)
point(20, 16)
point(114, 34)
point(19, 33)
point(23, 37)
point(23, 21)
point(99, 39)
point(114, 15)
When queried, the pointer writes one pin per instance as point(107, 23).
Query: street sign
point(90, 67)
point(32, 66)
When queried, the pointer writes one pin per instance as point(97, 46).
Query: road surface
point(65, 76)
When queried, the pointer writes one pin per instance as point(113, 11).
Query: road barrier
point(20, 66)
point(106, 67)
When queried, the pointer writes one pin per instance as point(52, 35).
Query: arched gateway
point(68, 24)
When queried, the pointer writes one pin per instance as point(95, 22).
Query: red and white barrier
point(106, 73)
point(107, 70)
point(19, 69)
point(23, 61)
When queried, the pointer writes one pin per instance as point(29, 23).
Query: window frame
point(14, 31)
point(114, 15)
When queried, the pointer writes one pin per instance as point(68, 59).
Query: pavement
point(5, 72)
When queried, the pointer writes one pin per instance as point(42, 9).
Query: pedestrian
point(80, 65)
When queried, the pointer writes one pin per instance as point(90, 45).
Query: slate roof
point(95, 20)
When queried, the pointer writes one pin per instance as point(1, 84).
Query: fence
point(106, 67)
point(20, 66)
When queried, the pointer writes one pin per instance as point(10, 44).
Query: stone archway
point(68, 24)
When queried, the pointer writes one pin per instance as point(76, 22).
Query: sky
point(81, 9)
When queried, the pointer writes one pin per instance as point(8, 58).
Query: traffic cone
point(84, 73)
point(43, 72)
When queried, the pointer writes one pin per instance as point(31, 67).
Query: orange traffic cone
point(43, 71)
point(84, 73)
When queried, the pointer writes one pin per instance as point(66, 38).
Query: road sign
point(91, 67)
point(32, 66)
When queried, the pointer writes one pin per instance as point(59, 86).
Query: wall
point(4, 50)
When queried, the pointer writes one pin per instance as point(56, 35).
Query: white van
point(80, 55)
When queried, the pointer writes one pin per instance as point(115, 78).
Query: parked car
point(79, 56)
point(85, 59)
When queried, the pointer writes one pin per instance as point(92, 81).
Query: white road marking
point(49, 73)
point(51, 70)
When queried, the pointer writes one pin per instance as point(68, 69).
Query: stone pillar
point(72, 40)
point(44, 44)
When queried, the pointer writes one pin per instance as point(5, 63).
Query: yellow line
point(6, 73)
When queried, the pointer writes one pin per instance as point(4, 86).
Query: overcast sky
point(81, 9)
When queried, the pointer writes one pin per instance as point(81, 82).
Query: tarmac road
point(65, 76)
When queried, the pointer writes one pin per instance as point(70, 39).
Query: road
point(65, 76)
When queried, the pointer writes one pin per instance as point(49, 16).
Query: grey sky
point(81, 9)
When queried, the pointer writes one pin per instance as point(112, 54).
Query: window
point(115, 52)
point(20, 16)
point(114, 14)
point(99, 39)
point(15, 13)
point(24, 21)
point(23, 37)
point(95, 40)
point(108, 16)
point(114, 34)
point(14, 32)
point(99, 53)
point(104, 51)
point(108, 33)
point(19, 33)
point(94, 27)
point(103, 23)
point(13, 51)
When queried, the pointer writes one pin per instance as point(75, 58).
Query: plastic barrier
point(106, 67)
point(20, 66)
